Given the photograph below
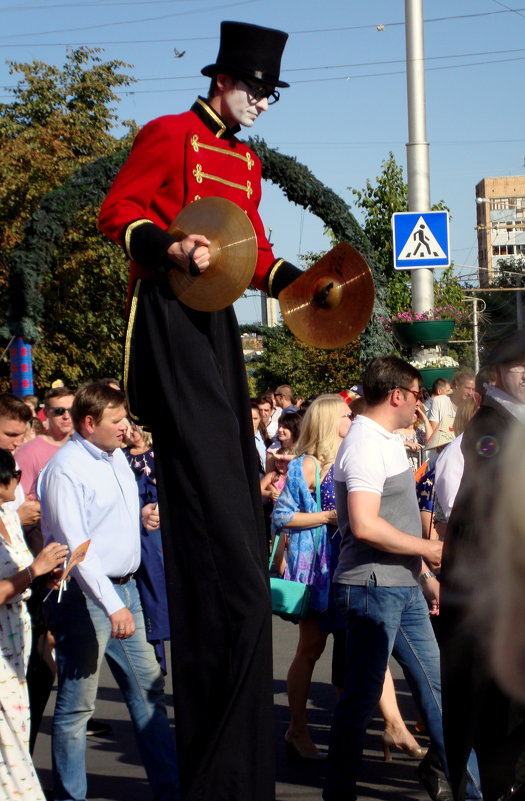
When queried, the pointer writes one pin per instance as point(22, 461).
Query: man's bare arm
point(366, 525)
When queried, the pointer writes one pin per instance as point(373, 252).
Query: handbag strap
point(317, 531)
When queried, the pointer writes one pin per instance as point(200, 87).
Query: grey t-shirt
point(371, 459)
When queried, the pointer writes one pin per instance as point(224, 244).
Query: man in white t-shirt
point(384, 565)
point(446, 405)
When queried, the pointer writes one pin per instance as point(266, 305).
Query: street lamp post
point(418, 171)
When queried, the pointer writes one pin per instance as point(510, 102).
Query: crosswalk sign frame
point(433, 240)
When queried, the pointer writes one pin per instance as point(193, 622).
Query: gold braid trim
point(197, 145)
point(127, 344)
point(200, 176)
point(208, 109)
point(129, 230)
point(272, 276)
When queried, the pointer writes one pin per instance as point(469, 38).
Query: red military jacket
point(175, 160)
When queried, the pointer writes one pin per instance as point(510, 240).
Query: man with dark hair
point(14, 417)
point(88, 492)
point(269, 414)
point(184, 366)
point(476, 713)
point(383, 565)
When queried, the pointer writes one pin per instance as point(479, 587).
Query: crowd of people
point(365, 573)
point(370, 493)
point(356, 519)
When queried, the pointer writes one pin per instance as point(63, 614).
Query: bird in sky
point(178, 53)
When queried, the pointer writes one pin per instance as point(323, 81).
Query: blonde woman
point(326, 422)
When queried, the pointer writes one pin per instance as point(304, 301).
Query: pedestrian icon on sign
point(422, 240)
point(421, 244)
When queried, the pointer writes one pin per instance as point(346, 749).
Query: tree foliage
point(502, 308)
point(310, 371)
point(378, 202)
point(58, 120)
point(302, 187)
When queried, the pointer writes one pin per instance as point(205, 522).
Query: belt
point(121, 579)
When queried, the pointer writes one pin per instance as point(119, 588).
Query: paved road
point(115, 772)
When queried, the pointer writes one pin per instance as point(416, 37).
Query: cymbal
point(332, 301)
point(233, 253)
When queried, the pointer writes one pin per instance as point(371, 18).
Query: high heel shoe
point(414, 751)
point(297, 750)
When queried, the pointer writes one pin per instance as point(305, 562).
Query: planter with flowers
point(434, 366)
point(425, 330)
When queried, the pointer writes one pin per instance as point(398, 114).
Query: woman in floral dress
point(325, 423)
point(18, 779)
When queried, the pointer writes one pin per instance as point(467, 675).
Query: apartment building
point(500, 212)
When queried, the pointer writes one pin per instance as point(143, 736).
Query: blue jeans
point(382, 621)
point(83, 636)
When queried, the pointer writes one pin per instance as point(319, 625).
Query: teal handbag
point(290, 599)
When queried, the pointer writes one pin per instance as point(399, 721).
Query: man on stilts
point(185, 379)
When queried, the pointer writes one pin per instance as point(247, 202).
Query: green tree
point(378, 202)
point(59, 119)
point(308, 370)
point(501, 315)
point(85, 307)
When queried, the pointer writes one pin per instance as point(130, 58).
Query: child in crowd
point(273, 482)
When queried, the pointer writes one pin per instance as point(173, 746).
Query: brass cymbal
point(233, 253)
point(330, 303)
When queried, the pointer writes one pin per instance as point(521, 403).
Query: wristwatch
point(427, 575)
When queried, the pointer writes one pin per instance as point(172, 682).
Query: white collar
point(507, 401)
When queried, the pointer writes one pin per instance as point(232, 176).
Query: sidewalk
point(115, 772)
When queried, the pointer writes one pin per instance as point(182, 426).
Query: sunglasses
point(58, 411)
point(17, 475)
point(258, 91)
point(418, 395)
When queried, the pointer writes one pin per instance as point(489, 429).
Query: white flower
point(433, 361)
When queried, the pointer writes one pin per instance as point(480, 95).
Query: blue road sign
point(421, 239)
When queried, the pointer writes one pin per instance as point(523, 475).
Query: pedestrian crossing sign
point(421, 239)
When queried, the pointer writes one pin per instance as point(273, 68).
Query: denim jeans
point(83, 636)
point(382, 621)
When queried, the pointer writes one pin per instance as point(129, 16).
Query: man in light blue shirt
point(88, 492)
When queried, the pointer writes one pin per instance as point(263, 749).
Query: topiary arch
point(87, 188)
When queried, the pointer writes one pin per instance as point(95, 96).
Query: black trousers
point(476, 713)
point(187, 381)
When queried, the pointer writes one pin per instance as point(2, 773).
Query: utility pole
point(269, 307)
point(418, 171)
point(519, 305)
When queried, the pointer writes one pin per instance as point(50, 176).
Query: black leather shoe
point(433, 779)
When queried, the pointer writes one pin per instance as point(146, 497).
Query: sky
point(346, 108)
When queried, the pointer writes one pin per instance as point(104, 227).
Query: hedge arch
point(87, 188)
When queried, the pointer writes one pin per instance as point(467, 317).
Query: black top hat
point(249, 51)
point(509, 349)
